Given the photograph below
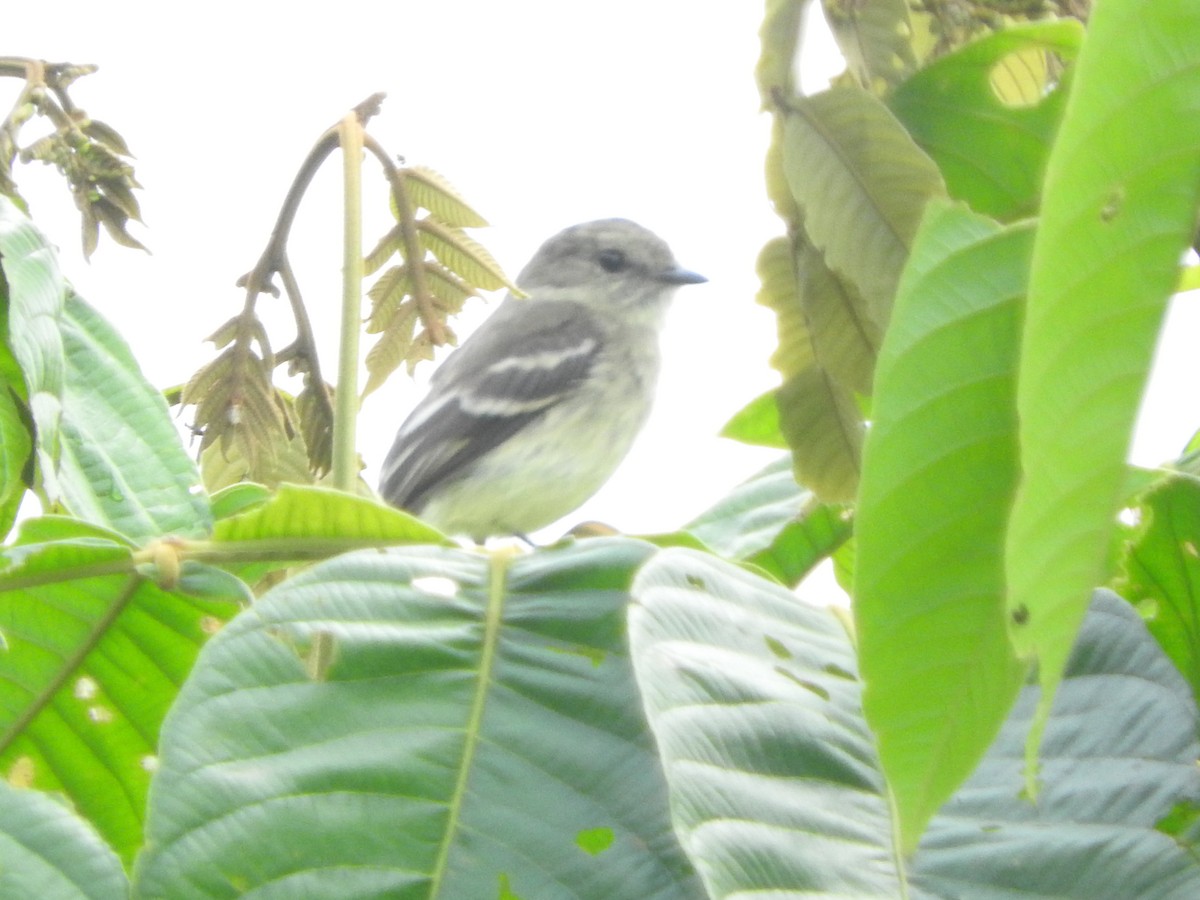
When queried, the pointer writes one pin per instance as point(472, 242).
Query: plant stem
point(345, 455)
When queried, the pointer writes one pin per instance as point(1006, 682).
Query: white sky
point(541, 113)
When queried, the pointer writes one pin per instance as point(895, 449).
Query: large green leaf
point(992, 153)
point(301, 523)
point(94, 656)
point(47, 852)
point(940, 470)
point(1162, 571)
point(1121, 194)
point(1120, 775)
point(776, 789)
point(754, 702)
point(424, 722)
point(861, 184)
point(123, 464)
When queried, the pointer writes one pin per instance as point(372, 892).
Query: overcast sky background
point(541, 113)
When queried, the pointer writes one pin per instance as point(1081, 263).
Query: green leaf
point(424, 722)
point(779, 35)
point(1119, 759)
point(861, 183)
point(757, 423)
point(753, 700)
point(1162, 572)
point(36, 292)
point(48, 852)
point(874, 38)
point(427, 188)
point(1120, 199)
point(95, 657)
point(821, 420)
point(15, 446)
point(774, 524)
point(462, 255)
point(992, 153)
point(939, 473)
point(775, 787)
point(123, 464)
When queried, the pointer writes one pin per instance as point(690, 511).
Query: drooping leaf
point(775, 787)
point(438, 692)
point(875, 39)
point(47, 851)
point(992, 152)
point(779, 292)
point(845, 338)
point(861, 184)
point(823, 425)
point(1119, 208)
point(779, 35)
point(939, 474)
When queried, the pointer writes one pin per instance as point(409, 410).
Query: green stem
point(345, 454)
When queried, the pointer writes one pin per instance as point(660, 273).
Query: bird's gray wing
point(524, 360)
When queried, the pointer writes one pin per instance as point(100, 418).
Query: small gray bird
point(532, 414)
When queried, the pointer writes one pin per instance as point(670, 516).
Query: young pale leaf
point(861, 184)
point(424, 722)
point(939, 473)
point(822, 423)
point(463, 256)
point(427, 189)
point(991, 152)
point(779, 291)
point(780, 35)
point(874, 38)
point(1119, 209)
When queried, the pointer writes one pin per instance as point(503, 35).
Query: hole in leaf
point(1021, 78)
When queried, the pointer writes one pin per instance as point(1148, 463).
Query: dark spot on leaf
point(1020, 615)
point(807, 685)
point(777, 647)
point(695, 581)
point(838, 672)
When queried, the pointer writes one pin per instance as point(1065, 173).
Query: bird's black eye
point(612, 260)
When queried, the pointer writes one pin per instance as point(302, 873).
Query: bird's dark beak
point(681, 276)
